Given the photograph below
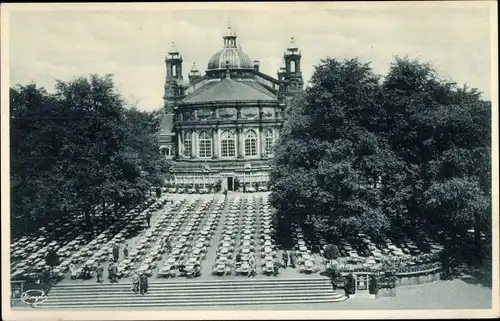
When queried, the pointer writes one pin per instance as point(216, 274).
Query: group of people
point(251, 263)
point(140, 283)
point(289, 258)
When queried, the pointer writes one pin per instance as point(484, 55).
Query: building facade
point(222, 126)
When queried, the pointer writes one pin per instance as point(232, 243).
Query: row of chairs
point(69, 250)
point(191, 246)
point(150, 245)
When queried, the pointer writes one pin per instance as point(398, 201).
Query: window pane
point(205, 142)
point(251, 143)
point(228, 144)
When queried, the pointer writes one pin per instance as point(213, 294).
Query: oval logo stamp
point(33, 297)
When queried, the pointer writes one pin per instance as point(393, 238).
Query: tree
point(329, 159)
point(79, 150)
point(442, 133)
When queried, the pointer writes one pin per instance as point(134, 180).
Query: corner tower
point(290, 75)
point(173, 81)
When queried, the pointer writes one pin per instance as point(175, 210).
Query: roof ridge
point(205, 87)
point(257, 87)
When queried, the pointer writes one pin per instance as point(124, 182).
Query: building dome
point(235, 57)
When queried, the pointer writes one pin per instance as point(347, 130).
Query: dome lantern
point(230, 37)
point(236, 57)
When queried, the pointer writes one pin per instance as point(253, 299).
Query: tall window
point(269, 136)
point(188, 143)
point(251, 143)
point(205, 143)
point(292, 66)
point(228, 144)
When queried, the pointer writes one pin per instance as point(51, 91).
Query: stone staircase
point(194, 293)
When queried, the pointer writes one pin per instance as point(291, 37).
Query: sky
point(45, 45)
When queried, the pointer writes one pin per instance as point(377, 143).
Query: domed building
point(222, 126)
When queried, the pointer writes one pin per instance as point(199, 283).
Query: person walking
point(285, 258)
point(148, 218)
point(100, 273)
point(135, 282)
point(143, 280)
point(225, 194)
point(116, 252)
point(125, 251)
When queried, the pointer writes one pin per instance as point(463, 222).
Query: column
point(240, 139)
point(215, 143)
point(262, 141)
point(194, 145)
point(179, 143)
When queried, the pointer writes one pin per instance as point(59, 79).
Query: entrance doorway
point(361, 282)
point(230, 183)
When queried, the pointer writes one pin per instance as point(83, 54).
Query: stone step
point(151, 303)
point(200, 296)
point(187, 285)
point(133, 299)
point(194, 293)
point(206, 282)
point(125, 287)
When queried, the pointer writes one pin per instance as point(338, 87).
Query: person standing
point(72, 269)
point(148, 218)
point(225, 194)
point(292, 259)
point(125, 251)
point(113, 273)
point(135, 282)
point(158, 192)
point(143, 279)
point(116, 252)
point(100, 273)
point(285, 258)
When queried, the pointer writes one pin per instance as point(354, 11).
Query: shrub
point(218, 185)
point(331, 252)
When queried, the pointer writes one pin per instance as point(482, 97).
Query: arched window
point(205, 143)
point(269, 136)
point(188, 143)
point(251, 143)
point(292, 66)
point(228, 144)
point(174, 71)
